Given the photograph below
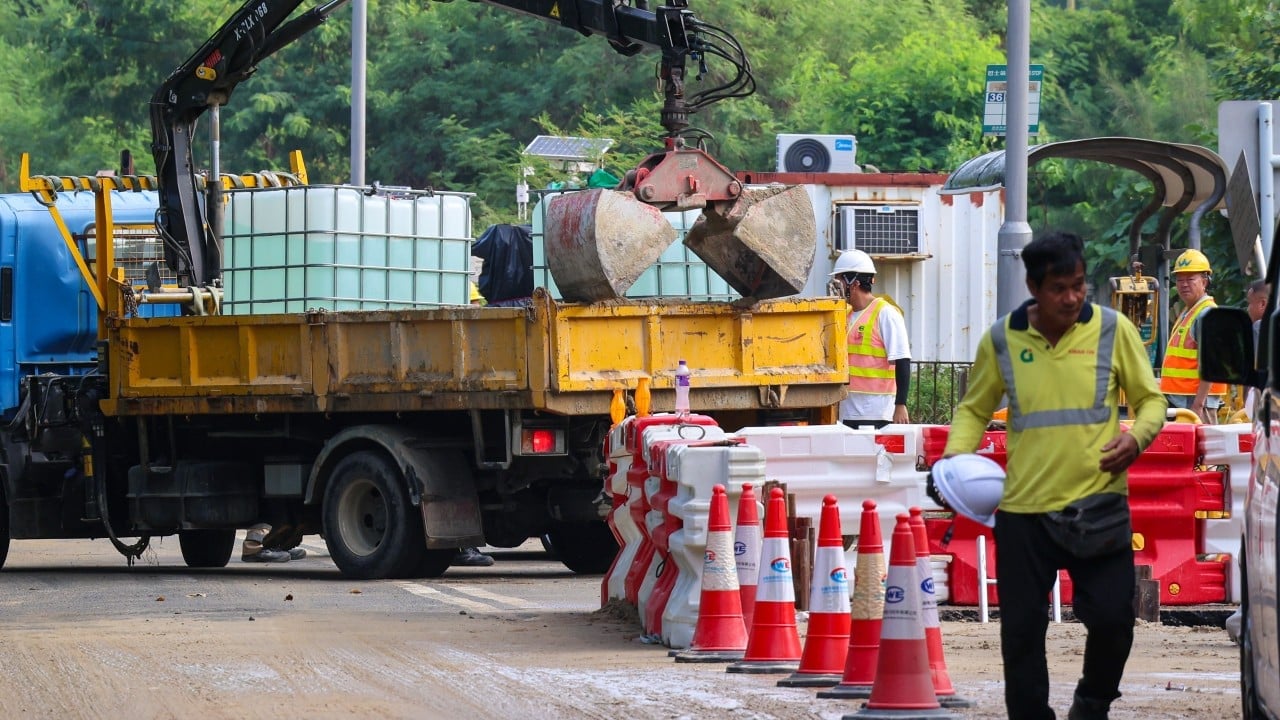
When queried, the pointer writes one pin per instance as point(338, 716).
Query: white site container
point(340, 247)
point(943, 278)
point(679, 273)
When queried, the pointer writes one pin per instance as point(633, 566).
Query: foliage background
point(455, 91)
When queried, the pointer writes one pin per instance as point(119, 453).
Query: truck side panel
point(784, 342)
point(566, 359)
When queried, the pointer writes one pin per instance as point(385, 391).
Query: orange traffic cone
point(867, 611)
point(774, 643)
point(929, 611)
point(827, 641)
point(903, 687)
point(746, 551)
point(720, 634)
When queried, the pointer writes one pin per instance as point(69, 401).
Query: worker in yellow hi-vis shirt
point(1062, 362)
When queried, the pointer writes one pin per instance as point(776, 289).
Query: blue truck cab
point(48, 316)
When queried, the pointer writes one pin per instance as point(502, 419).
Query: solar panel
point(557, 147)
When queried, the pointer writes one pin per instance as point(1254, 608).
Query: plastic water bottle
point(682, 389)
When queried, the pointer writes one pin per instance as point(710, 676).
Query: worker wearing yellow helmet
point(1180, 372)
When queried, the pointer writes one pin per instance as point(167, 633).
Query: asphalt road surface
point(82, 635)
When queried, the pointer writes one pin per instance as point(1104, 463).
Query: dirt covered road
point(536, 665)
point(81, 636)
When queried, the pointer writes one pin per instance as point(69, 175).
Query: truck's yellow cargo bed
point(563, 358)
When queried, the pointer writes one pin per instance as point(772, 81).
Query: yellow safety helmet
point(1192, 261)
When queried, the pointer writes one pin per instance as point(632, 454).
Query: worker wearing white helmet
point(879, 349)
point(1180, 371)
point(1062, 362)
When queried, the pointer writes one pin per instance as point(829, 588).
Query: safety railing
point(936, 387)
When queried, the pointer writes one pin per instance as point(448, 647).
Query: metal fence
point(936, 387)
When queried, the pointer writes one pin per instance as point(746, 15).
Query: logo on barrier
point(894, 594)
point(709, 557)
point(840, 576)
point(780, 565)
point(739, 548)
point(927, 585)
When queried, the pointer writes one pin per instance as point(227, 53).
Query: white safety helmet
point(968, 484)
point(853, 261)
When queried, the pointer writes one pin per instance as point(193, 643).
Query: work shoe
point(266, 555)
point(471, 557)
point(297, 553)
point(1084, 708)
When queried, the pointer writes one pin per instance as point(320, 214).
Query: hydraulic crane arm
point(256, 31)
point(739, 240)
point(672, 29)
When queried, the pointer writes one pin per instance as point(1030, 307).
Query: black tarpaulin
point(507, 251)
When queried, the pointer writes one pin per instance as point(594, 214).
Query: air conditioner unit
point(879, 229)
point(817, 153)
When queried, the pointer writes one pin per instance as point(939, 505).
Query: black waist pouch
point(1093, 526)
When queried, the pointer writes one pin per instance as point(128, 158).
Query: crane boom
point(677, 178)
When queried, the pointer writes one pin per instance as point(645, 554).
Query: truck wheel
point(432, 564)
point(371, 527)
point(206, 548)
point(4, 529)
point(585, 548)
point(1251, 706)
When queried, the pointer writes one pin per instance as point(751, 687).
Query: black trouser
point(877, 424)
point(1027, 562)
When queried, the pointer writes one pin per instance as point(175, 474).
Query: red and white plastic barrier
point(695, 470)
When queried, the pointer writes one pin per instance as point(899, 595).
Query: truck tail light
point(541, 441)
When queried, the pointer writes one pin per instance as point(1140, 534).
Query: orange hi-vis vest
point(1180, 373)
point(870, 371)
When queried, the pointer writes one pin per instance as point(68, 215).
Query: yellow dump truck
point(400, 435)
point(471, 425)
point(136, 407)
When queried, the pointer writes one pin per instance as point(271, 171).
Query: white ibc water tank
point(341, 247)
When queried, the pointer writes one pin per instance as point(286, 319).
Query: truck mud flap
point(450, 506)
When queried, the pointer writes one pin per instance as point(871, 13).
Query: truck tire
point(585, 548)
point(1250, 704)
point(4, 529)
point(432, 564)
point(371, 527)
point(206, 548)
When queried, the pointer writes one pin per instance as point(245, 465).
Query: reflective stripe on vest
point(870, 372)
point(1019, 421)
point(1180, 373)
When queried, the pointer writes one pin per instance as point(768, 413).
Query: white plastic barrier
point(696, 470)
point(654, 518)
point(630, 537)
point(815, 460)
point(1227, 445)
point(941, 577)
point(904, 445)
